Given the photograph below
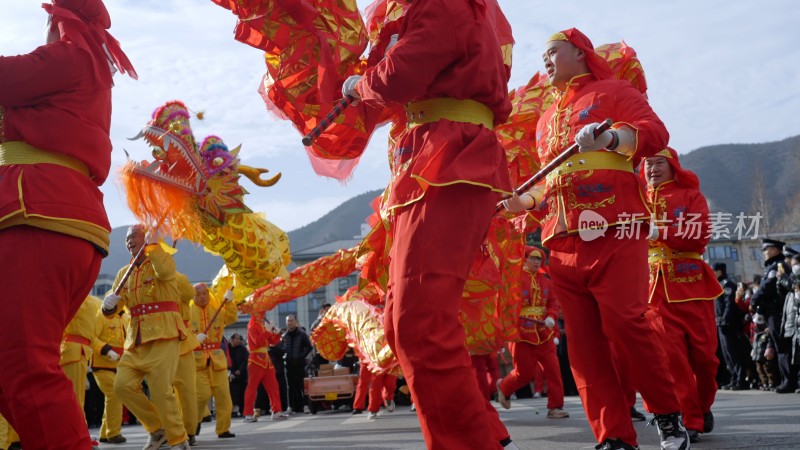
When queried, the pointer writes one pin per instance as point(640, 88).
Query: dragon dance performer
point(260, 368)
point(589, 263)
point(107, 347)
point(210, 361)
point(55, 151)
point(152, 345)
point(683, 287)
point(448, 70)
point(185, 382)
point(76, 348)
point(537, 330)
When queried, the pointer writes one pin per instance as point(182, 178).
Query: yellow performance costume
point(108, 347)
point(185, 378)
point(152, 344)
point(211, 362)
point(76, 347)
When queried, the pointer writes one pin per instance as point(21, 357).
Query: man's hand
point(556, 341)
point(349, 88)
point(202, 337)
point(110, 302)
point(517, 203)
point(153, 236)
point(112, 355)
point(588, 142)
point(228, 295)
point(549, 322)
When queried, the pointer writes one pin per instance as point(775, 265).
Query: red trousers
point(45, 277)
point(435, 242)
point(526, 358)
point(487, 372)
point(389, 387)
point(603, 288)
point(266, 376)
point(372, 383)
point(690, 339)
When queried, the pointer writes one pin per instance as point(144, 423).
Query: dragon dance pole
point(214, 317)
point(552, 165)
point(337, 110)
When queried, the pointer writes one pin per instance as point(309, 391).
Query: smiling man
point(683, 286)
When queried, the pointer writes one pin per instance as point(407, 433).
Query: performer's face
point(201, 297)
point(657, 170)
point(563, 61)
point(134, 240)
point(533, 263)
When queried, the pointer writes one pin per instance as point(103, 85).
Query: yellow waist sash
point(532, 311)
point(664, 253)
point(435, 109)
point(592, 161)
point(19, 152)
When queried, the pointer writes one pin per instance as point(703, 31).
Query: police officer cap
point(771, 243)
point(789, 252)
point(720, 266)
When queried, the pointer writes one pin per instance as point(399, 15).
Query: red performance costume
point(683, 287)
point(448, 69)
point(55, 113)
point(536, 344)
point(260, 368)
point(601, 279)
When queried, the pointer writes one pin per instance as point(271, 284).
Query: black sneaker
point(614, 444)
point(708, 422)
point(694, 436)
point(636, 416)
point(358, 411)
point(226, 435)
point(672, 432)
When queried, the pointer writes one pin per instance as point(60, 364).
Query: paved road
point(745, 420)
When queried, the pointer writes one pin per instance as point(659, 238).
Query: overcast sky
point(718, 72)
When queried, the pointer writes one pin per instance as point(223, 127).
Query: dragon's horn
point(254, 175)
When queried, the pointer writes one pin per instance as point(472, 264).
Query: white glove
point(202, 337)
point(349, 88)
point(153, 237)
point(112, 355)
point(556, 341)
point(588, 143)
point(549, 322)
point(228, 295)
point(110, 302)
point(392, 43)
point(655, 232)
point(517, 203)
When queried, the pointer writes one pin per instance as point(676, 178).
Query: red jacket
point(538, 303)
point(613, 194)
point(445, 50)
point(259, 339)
point(675, 258)
point(49, 99)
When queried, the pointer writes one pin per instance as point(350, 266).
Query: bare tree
point(761, 201)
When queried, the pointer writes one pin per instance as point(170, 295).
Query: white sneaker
point(306, 410)
point(372, 415)
point(278, 416)
point(182, 446)
point(413, 407)
point(290, 411)
point(537, 395)
point(501, 398)
point(155, 440)
point(250, 419)
point(390, 405)
point(511, 446)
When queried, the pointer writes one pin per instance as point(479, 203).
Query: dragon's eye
point(159, 153)
point(217, 161)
